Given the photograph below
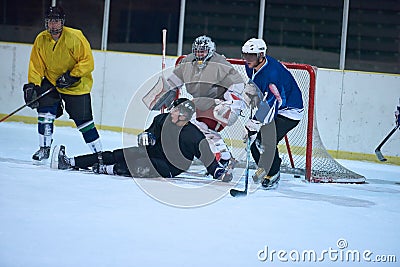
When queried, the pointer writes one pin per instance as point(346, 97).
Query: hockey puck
point(297, 176)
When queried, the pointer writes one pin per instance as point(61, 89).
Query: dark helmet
point(185, 106)
point(54, 13)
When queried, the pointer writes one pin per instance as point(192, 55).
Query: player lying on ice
point(166, 149)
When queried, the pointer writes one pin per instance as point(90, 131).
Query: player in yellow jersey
point(61, 59)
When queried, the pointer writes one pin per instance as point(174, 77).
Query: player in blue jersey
point(279, 104)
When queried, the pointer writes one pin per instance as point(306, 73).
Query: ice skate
point(267, 182)
point(59, 159)
point(42, 154)
point(259, 175)
point(271, 182)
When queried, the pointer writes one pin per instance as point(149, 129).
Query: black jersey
point(178, 146)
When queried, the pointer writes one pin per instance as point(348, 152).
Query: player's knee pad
point(46, 123)
point(222, 148)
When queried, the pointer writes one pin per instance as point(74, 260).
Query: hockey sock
point(45, 128)
point(72, 162)
point(90, 135)
point(110, 169)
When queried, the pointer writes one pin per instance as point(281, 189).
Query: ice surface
point(67, 218)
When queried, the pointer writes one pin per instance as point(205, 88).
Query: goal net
point(302, 151)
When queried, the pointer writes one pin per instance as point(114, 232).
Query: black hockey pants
point(267, 140)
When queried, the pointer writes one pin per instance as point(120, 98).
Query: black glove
point(30, 93)
point(66, 80)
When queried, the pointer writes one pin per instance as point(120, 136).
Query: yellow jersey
point(50, 59)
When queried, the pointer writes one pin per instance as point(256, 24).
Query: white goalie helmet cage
point(254, 46)
point(203, 43)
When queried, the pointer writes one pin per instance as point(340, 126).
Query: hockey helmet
point(203, 48)
point(54, 13)
point(254, 49)
point(185, 106)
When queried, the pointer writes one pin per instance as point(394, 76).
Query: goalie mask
point(254, 50)
point(203, 48)
point(54, 20)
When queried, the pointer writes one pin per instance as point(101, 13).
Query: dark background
point(302, 31)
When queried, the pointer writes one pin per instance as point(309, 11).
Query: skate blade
point(270, 187)
point(39, 162)
point(256, 180)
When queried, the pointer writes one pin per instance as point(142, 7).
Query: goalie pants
point(265, 147)
point(131, 161)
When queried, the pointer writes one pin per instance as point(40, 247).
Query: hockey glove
point(251, 95)
point(30, 93)
point(397, 115)
point(66, 80)
point(146, 139)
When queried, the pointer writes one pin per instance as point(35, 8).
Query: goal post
point(302, 151)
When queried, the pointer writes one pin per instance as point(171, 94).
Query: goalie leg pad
point(218, 146)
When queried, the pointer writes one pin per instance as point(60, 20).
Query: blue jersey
point(280, 92)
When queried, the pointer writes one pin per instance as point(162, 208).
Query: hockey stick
point(236, 192)
point(239, 193)
point(378, 149)
point(164, 48)
point(27, 104)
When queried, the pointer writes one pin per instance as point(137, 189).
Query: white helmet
point(203, 43)
point(254, 46)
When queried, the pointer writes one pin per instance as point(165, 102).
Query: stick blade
point(237, 193)
point(379, 155)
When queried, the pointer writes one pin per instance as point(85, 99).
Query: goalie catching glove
point(146, 139)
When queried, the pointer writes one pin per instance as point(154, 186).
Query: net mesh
point(304, 154)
